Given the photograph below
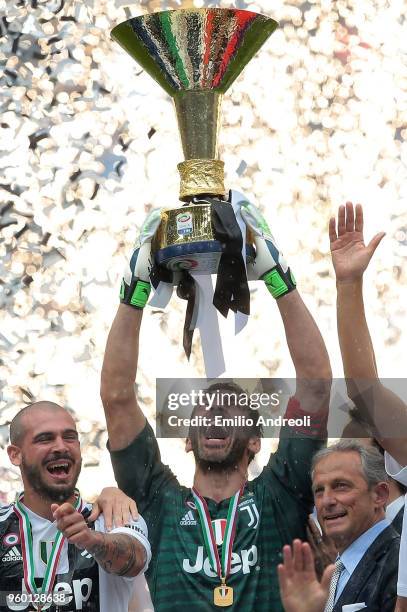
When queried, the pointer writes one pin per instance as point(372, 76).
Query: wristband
point(136, 294)
point(278, 282)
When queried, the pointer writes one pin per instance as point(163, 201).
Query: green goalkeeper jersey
point(272, 511)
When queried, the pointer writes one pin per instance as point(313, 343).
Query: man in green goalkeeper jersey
point(219, 543)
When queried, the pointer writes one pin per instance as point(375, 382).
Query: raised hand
point(135, 287)
point(269, 265)
point(299, 586)
point(350, 255)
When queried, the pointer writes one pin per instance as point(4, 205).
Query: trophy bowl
point(195, 55)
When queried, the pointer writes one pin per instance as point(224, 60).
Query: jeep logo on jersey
point(76, 594)
point(242, 561)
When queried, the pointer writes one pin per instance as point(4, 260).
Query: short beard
point(228, 464)
point(57, 495)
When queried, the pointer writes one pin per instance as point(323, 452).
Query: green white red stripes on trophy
point(213, 54)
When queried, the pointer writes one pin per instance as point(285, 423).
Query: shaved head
point(17, 425)
point(45, 446)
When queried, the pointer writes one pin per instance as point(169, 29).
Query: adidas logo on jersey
point(86, 554)
point(188, 519)
point(12, 555)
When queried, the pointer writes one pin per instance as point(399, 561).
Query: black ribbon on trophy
point(195, 55)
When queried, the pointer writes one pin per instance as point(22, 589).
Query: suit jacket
point(397, 522)
point(374, 579)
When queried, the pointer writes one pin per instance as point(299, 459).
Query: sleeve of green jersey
point(141, 474)
point(291, 464)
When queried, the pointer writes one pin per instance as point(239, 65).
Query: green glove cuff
point(136, 294)
point(279, 282)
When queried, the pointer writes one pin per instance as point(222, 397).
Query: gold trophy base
point(185, 240)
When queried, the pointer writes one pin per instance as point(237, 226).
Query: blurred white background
point(89, 144)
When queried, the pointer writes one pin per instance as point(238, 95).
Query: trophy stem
point(198, 115)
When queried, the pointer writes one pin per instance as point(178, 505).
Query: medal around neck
point(223, 594)
point(195, 55)
point(41, 595)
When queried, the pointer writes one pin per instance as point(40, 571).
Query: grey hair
point(372, 461)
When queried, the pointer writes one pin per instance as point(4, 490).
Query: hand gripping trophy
point(195, 55)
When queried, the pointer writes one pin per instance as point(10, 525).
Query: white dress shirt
point(394, 508)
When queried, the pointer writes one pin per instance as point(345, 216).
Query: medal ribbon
point(219, 565)
point(27, 548)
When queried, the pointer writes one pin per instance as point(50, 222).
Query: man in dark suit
point(351, 492)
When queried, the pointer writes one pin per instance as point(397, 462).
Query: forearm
point(118, 553)
point(123, 415)
point(304, 340)
point(354, 338)
point(386, 410)
point(121, 354)
point(308, 352)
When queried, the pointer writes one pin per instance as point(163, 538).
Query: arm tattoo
point(118, 553)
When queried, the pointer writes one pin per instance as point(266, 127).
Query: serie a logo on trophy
point(195, 55)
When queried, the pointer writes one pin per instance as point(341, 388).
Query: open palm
point(350, 255)
point(299, 587)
